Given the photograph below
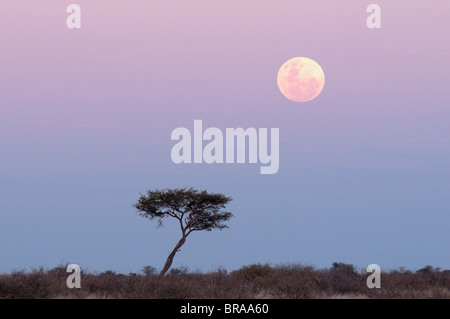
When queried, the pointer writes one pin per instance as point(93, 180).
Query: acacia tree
point(195, 211)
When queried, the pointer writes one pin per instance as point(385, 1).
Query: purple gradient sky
point(86, 118)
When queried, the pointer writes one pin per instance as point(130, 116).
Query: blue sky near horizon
point(86, 119)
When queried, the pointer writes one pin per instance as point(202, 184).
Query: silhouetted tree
point(148, 270)
point(195, 210)
point(343, 268)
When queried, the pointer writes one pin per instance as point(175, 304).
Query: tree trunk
point(172, 254)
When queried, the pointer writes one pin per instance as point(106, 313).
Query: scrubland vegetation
point(288, 281)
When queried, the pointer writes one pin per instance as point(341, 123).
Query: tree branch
point(183, 230)
point(171, 214)
point(195, 229)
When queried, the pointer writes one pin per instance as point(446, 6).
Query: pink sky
point(96, 106)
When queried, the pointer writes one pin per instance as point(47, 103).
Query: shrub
point(343, 268)
point(253, 271)
point(148, 270)
point(179, 271)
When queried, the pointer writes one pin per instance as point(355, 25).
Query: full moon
point(300, 79)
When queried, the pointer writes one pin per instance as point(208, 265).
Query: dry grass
point(252, 282)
